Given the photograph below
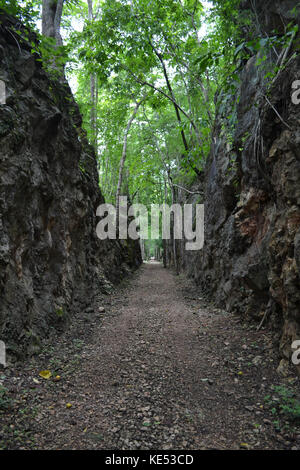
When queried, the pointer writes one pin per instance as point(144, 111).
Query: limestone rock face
point(250, 262)
point(51, 261)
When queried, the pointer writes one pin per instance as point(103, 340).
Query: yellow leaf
point(69, 405)
point(244, 445)
point(46, 374)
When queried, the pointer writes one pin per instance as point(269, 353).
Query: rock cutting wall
point(51, 261)
point(250, 262)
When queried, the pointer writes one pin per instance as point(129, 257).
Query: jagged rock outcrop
point(250, 262)
point(51, 261)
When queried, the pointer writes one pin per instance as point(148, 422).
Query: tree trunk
point(176, 267)
point(142, 244)
point(176, 106)
point(51, 19)
point(122, 161)
point(168, 83)
point(165, 243)
point(94, 91)
point(93, 115)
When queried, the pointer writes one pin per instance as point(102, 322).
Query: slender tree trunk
point(90, 9)
point(185, 144)
point(122, 161)
point(94, 90)
point(93, 114)
point(142, 244)
point(172, 225)
point(165, 243)
point(177, 108)
point(105, 175)
point(173, 233)
point(96, 103)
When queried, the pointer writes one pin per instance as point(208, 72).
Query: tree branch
point(159, 90)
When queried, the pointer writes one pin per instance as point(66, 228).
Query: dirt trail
point(160, 369)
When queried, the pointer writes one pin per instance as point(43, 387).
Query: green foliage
point(155, 52)
point(148, 49)
point(28, 11)
point(52, 57)
point(60, 312)
point(129, 42)
point(284, 401)
point(264, 45)
point(5, 400)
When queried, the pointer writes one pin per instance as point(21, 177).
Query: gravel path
point(161, 368)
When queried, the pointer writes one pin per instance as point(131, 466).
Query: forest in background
point(150, 79)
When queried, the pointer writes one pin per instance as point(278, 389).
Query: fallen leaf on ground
point(244, 445)
point(46, 374)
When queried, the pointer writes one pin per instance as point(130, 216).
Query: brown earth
point(161, 368)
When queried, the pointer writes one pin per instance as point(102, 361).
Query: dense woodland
point(149, 78)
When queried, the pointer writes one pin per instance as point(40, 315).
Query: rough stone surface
point(51, 261)
point(250, 262)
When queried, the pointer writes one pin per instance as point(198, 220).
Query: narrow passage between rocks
point(159, 369)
